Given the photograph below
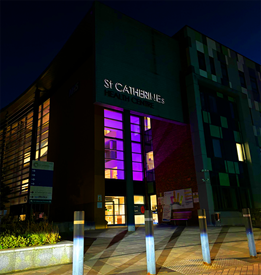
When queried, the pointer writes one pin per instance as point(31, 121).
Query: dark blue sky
point(33, 32)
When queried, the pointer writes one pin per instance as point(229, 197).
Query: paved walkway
point(178, 251)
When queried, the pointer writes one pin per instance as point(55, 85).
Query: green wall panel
point(214, 131)
point(223, 121)
point(224, 179)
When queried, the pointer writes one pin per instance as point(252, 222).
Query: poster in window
point(166, 213)
point(179, 199)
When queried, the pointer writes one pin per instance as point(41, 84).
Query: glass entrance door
point(109, 212)
point(115, 210)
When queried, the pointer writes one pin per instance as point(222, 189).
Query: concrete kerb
point(18, 259)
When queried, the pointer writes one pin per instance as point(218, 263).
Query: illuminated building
point(123, 106)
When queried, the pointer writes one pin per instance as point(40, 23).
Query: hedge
point(30, 233)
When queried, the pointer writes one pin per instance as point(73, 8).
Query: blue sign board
point(41, 182)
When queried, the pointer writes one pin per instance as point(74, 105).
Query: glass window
point(253, 83)
point(137, 166)
point(212, 65)
point(137, 176)
point(212, 104)
point(242, 79)
point(135, 120)
point(113, 124)
point(114, 164)
point(113, 145)
point(43, 131)
point(139, 219)
point(115, 210)
point(136, 149)
point(112, 114)
point(239, 152)
point(135, 137)
point(136, 157)
point(224, 70)
point(135, 128)
point(216, 147)
point(153, 203)
point(147, 123)
point(138, 199)
point(109, 132)
point(150, 160)
point(201, 61)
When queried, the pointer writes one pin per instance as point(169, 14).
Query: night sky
point(33, 32)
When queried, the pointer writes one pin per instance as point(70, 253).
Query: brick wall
point(174, 160)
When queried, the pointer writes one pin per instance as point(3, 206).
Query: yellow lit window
point(114, 174)
point(107, 174)
point(26, 160)
point(44, 151)
point(139, 219)
point(150, 160)
point(239, 152)
point(111, 174)
point(138, 199)
point(147, 123)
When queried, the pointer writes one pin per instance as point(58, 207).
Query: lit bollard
point(150, 246)
point(249, 232)
point(204, 236)
point(78, 242)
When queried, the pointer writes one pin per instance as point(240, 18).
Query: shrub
point(29, 233)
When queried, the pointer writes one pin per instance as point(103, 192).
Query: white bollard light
point(78, 242)
point(150, 245)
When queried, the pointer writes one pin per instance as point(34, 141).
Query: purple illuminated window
point(136, 147)
point(111, 164)
point(113, 145)
point(135, 137)
point(120, 175)
point(135, 120)
point(135, 128)
point(137, 169)
point(136, 166)
point(137, 176)
point(113, 154)
point(113, 115)
point(112, 123)
point(136, 157)
point(109, 132)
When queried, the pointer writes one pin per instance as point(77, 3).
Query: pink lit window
point(113, 145)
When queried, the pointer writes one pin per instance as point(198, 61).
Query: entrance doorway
point(115, 210)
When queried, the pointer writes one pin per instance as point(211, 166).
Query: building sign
point(133, 92)
point(41, 184)
point(139, 209)
point(144, 78)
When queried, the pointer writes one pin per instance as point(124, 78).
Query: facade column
point(128, 171)
point(199, 147)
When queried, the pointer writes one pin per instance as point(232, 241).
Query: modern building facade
point(128, 115)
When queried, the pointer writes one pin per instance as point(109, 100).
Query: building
point(125, 112)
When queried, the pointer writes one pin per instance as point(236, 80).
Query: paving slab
point(178, 251)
